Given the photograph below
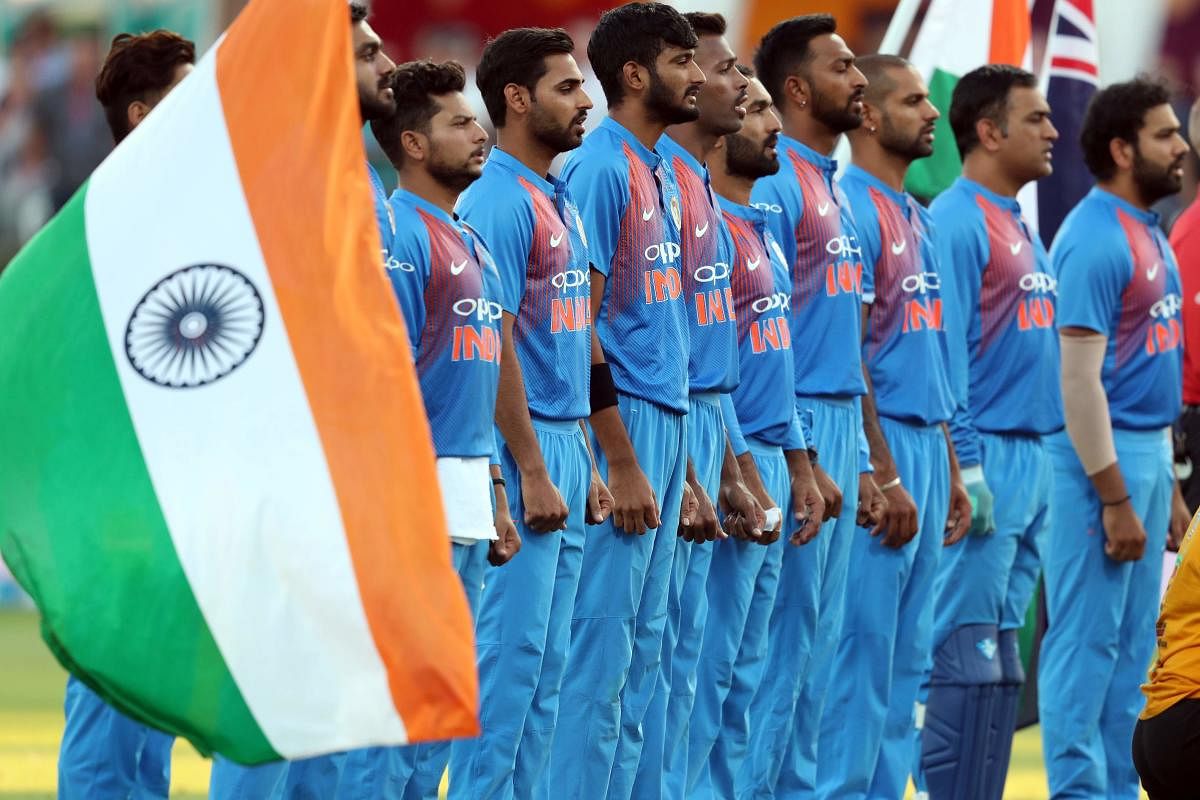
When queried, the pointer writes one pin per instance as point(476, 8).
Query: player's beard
point(1155, 182)
point(668, 108)
point(838, 119)
point(455, 177)
point(371, 105)
point(556, 137)
point(898, 144)
point(746, 159)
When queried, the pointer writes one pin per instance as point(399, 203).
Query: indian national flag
point(956, 37)
point(216, 478)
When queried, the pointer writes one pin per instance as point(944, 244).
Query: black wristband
point(812, 455)
point(498, 482)
point(1120, 502)
point(604, 393)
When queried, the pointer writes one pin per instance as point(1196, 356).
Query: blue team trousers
point(523, 631)
point(369, 773)
point(741, 593)
point(662, 769)
point(868, 735)
point(620, 613)
point(806, 623)
point(1102, 614)
point(106, 754)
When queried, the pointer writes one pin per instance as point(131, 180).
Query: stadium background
point(52, 135)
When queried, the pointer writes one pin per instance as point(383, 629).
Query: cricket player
point(534, 93)
point(808, 70)
point(767, 430)
point(999, 287)
point(712, 371)
point(868, 736)
point(103, 752)
point(643, 55)
point(1115, 498)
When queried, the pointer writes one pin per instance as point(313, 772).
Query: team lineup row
point(783, 454)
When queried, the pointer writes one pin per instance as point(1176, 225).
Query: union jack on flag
point(1072, 67)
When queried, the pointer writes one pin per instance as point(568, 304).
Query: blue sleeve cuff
point(732, 427)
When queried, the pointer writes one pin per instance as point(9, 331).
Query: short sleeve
point(504, 220)
point(732, 427)
point(408, 270)
point(866, 226)
point(1092, 272)
point(783, 205)
point(603, 188)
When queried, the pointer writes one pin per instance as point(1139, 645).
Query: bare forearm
point(881, 454)
point(512, 411)
point(955, 472)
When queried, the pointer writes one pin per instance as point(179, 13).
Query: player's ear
point(517, 98)
point(989, 133)
point(1122, 153)
point(636, 76)
point(415, 145)
point(796, 89)
point(136, 112)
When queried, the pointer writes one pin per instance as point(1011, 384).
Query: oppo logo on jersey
point(570, 279)
point(665, 253)
point(770, 208)
point(391, 262)
point(480, 308)
point(846, 246)
point(711, 273)
point(1169, 306)
point(778, 300)
point(921, 282)
point(1038, 282)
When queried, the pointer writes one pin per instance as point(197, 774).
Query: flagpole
point(893, 39)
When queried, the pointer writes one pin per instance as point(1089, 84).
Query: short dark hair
point(705, 24)
point(784, 49)
point(875, 69)
point(1117, 112)
point(636, 32)
point(983, 94)
point(139, 68)
point(358, 11)
point(517, 56)
point(416, 84)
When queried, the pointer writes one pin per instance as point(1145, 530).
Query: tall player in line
point(810, 73)
point(868, 737)
point(534, 94)
point(1114, 494)
point(768, 439)
point(1000, 293)
point(102, 750)
point(712, 371)
point(449, 291)
point(643, 55)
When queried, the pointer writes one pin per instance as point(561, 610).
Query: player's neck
point(884, 165)
point(988, 174)
point(806, 129)
point(429, 189)
point(518, 142)
point(1123, 186)
point(691, 137)
point(731, 187)
point(633, 118)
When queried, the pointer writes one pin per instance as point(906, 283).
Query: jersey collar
point(1146, 217)
point(648, 156)
point(899, 198)
point(548, 183)
point(750, 213)
point(669, 148)
point(1000, 200)
point(421, 204)
point(825, 163)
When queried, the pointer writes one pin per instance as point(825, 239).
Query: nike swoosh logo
point(1015, 247)
point(823, 209)
point(456, 269)
point(753, 265)
point(555, 241)
point(897, 249)
point(647, 213)
point(700, 231)
point(1152, 273)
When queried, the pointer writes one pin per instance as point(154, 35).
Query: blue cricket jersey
point(999, 286)
point(811, 219)
point(1117, 275)
point(904, 347)
point(534, 234)
point(764, 409)
point(449, 293)
point(631, 218)
point(713, 361)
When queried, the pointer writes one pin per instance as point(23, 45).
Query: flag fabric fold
point(217, 480)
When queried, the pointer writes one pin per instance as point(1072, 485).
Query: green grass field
point(31, 693)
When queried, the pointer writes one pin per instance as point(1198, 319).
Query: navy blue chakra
point(195, 326)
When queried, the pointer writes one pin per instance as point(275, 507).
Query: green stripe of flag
point(82, 528)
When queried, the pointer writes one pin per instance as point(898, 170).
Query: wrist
point(1117, 502)
point(888, 485)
